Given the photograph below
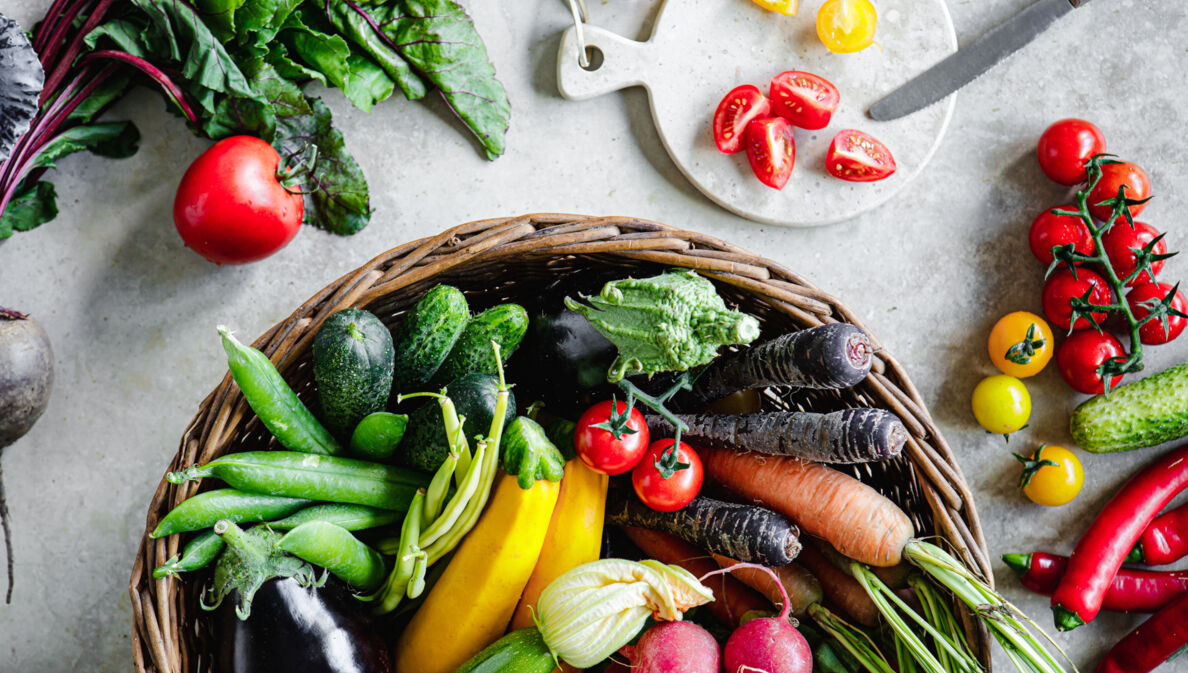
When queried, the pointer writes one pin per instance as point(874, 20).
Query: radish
point(674, 647)
point(767, 644)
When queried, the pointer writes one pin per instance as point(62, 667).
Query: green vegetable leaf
point(360, 79)
point(108, 92)
point(33, 206)
point(361, 30)
point(115, 140)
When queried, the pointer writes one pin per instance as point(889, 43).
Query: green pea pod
point(303, 475)
point(350, 517)
point(274, 401)
point(335, 549)
point(205, 509)
point(197, 554)
point(528, 453)
point(378, 435)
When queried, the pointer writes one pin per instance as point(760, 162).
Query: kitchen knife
point(968, 62)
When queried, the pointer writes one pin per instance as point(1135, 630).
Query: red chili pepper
point(1155, 641)
point(1131, 591)
point(1101, 550)
point(1165, 540)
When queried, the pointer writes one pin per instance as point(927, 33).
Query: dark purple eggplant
point(26, 378)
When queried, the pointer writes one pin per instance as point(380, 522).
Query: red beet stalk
point(1131, 590)
point(1165, 540)
point(1102, 549)
point(1155, 641)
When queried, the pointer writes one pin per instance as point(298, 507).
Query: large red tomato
point(231, 207)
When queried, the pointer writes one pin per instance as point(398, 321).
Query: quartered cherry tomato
point(1060, 289)
point(736, 110)
point(1001, 404)
point(1079, 356)
point(1113, 176)
point(804, 99)
point(1121, 241)
point(1142, 297)
point(1049, 231)
point(610, 440)
point(1052, 476)
point(771, 150)
point(1064, 148)
point(857, 157)
point(846, 26)
point(668, 477)
point(1021, 344)
point(787, 7)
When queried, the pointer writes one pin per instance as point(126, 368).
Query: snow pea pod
point(274, 401)
point(205, 509)
point(197, 554)
point(303, 475)
point(350, 517)
point(335, 549)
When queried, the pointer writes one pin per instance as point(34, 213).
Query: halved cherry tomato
point(668, 477)
point(1049, 231)
point(846, 26)
point(1113, 176)
point(1079, 356)
point(610, 440)
point(804, 99)
point(1020, 344)
point(736, 110)
point(1052, 476)
point(1142, 297)
point(1121, 241)
point(1064, 148)
point(771, 150)
point(857, 157)
point(1062, 286)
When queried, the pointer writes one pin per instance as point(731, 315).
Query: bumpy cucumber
point(427, 335)
point(353, 359)
point(1144, 413)
point(504, 324)
point(522, 651)
point(424, 445)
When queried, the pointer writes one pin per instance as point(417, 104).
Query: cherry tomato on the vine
point(668, 477)
point(1113, 176)
point(596, 441)
point(1064, 148)
point(1049, 231)
point(1020, 344)
point(1001, 404)
point(1121, 241)
point(1052, 476)
point(1080, 355)
point(1060, 289)
point(1142, 297)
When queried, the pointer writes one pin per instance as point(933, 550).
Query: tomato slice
point(857, 157)
point(804, 99)
point(736, 110)
point(771, 150)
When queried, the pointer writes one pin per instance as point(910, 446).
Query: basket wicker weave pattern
point(506, 258)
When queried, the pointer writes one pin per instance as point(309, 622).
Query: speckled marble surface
point(132, 312)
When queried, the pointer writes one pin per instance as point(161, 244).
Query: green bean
point(350, 517)
point(417, 584)
point(205, 509)
point(435, 496)
point(274, 401)
point(462, 497)
point(197, 553)
point(388, 546)
point(452, 423)
point(378, 435)
point(303, 475)
point(335, 549)
point(406, 555)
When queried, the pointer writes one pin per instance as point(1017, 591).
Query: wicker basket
point(509, 259)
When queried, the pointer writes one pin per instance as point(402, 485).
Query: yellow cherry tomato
point(788, 7)
point(1001, 404)
point(846, 26)
point(1021, 344)
point(1052, 476)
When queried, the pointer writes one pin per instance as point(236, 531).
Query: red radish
point(768, 644)
point(674, 647)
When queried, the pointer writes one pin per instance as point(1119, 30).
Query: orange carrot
point(803, 589)
point(732, 600)
point(842, 590)
point(856, 519)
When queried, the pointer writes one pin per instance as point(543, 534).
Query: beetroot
point(768, 644)
point(674, 647)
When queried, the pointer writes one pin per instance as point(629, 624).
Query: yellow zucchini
point(469, 607)
point(574, 537)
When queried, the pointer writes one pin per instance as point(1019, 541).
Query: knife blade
point(970, 61)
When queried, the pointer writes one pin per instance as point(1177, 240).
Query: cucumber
point(353, 360)
point(522, 651)
point(427, 335)
point(424, 446)
point(377, 436)
point(1144, 413)
point(504, 324)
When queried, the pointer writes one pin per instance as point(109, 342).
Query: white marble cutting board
point(700, 49)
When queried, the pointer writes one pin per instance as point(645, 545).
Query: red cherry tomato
point(600, 449)
point(677, 489)
point(857, 157)
point(1049, 231)
point(1113, 176)
point(1120, 241)
point(736, 110)
point(1153, 332)
point(231, 208)
point(1064, 148)
point(771, 150)
point(1079, 356)
point(804, 99)
point(1061, 287)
